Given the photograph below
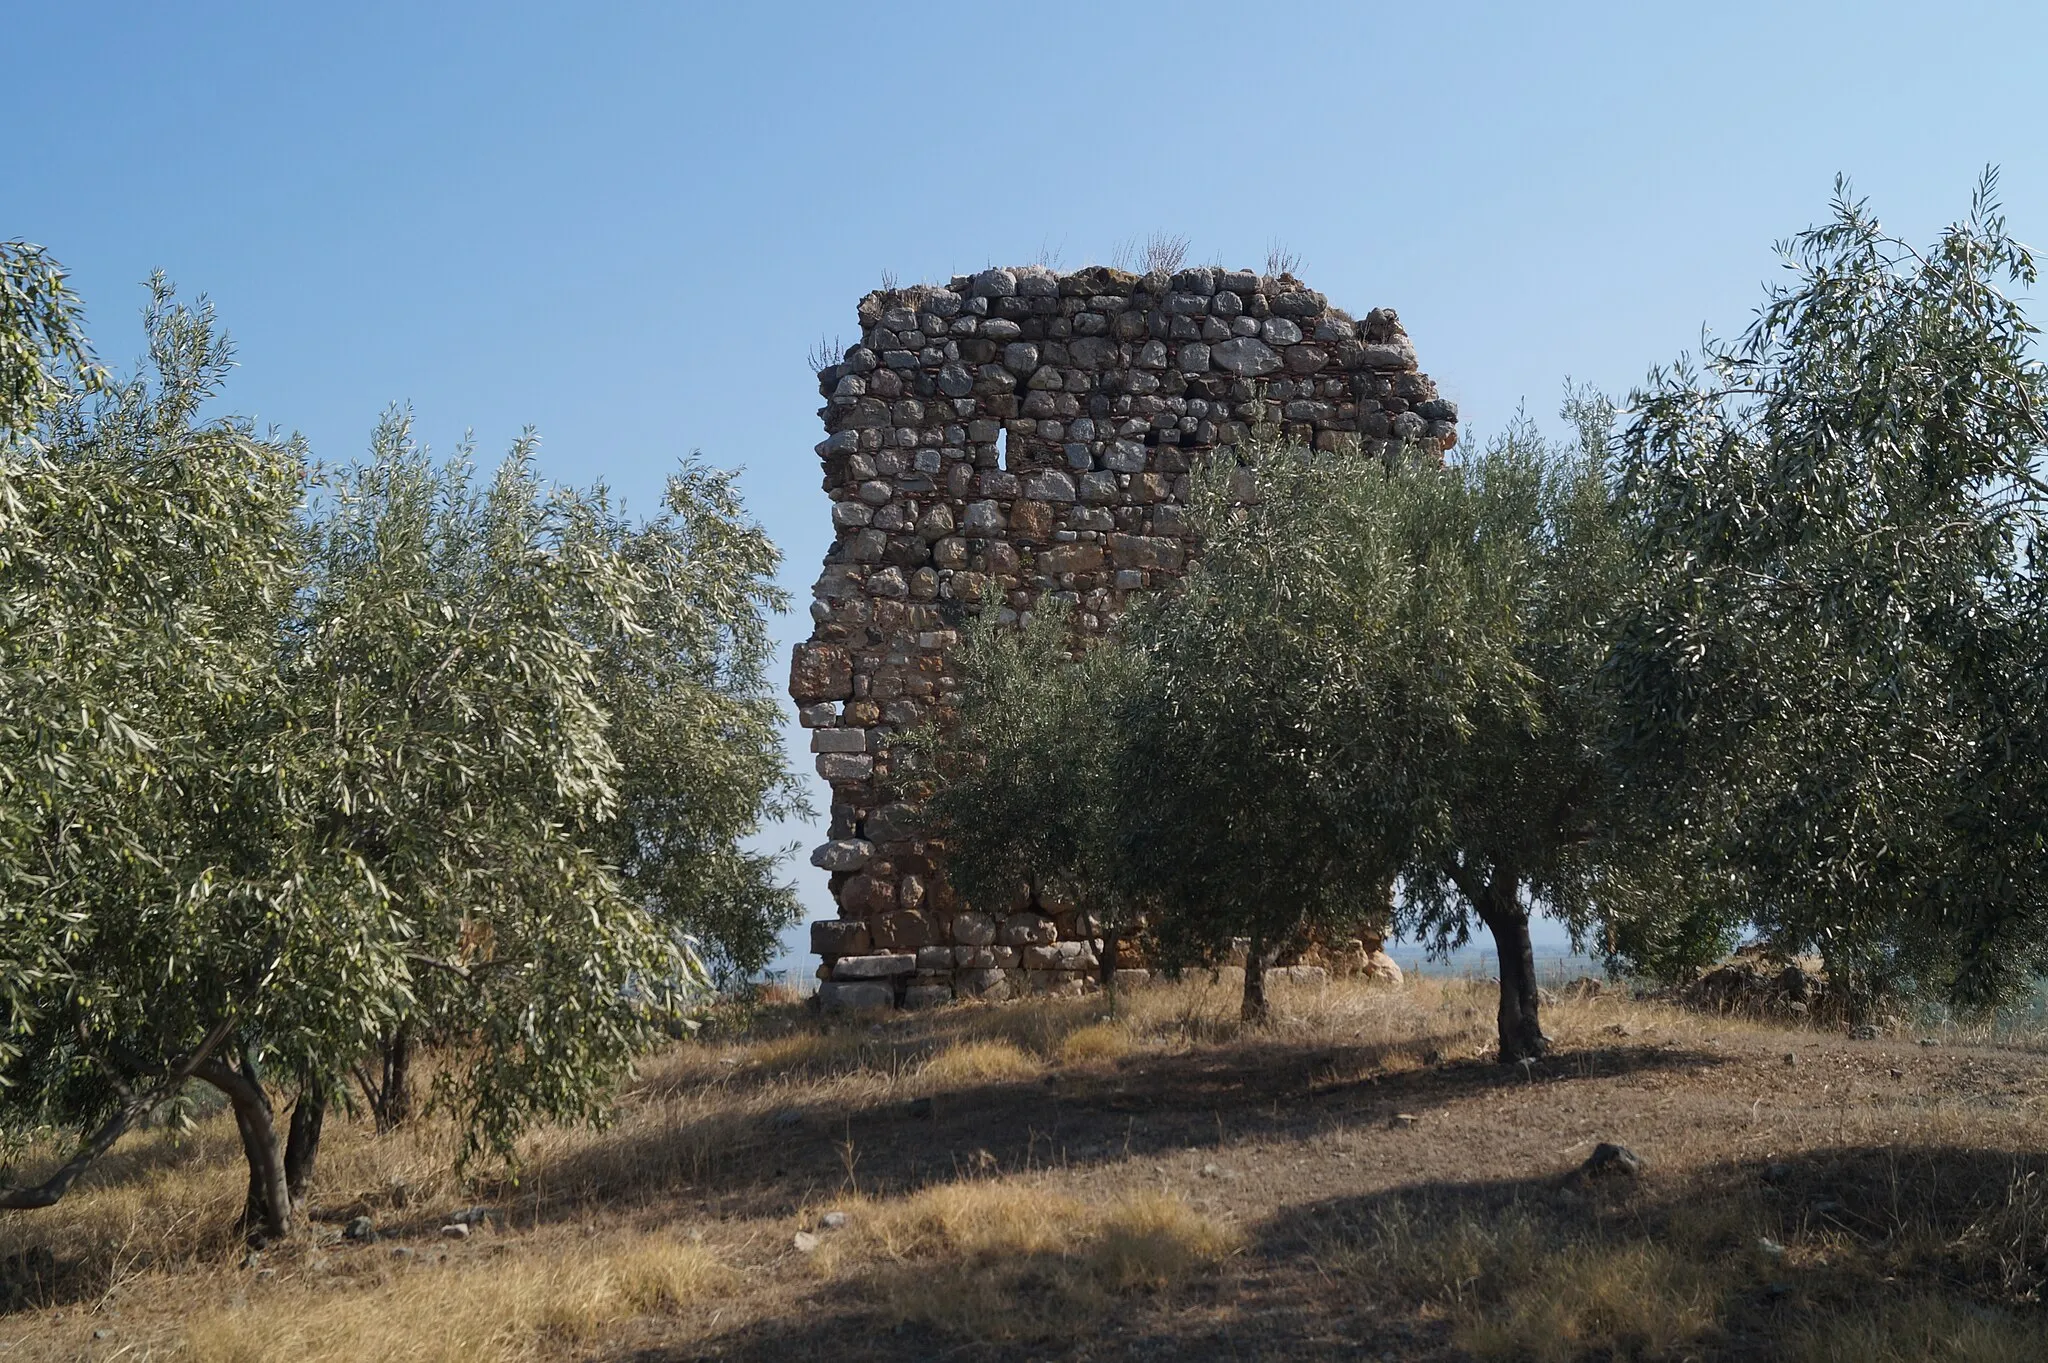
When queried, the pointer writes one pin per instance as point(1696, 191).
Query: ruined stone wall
point(1033, 431)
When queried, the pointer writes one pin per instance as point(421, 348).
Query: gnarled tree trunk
point(267, 1213)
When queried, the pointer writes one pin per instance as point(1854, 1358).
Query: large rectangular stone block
point(838, 937)
point(835, 996)
point(883, 965)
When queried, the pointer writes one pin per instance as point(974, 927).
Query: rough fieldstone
point(1147, 551)
point(1124, 456)
point(983, 519)
point(989, 983)
point(820, 672)
point(1298, 303)
point(1093, 352)
point(1071, 558)
point(1398, 355)
point(1028, 929)
point(974, 929)
point(894, 822)
point(837, 766)
point(995, 284)
point(1030, 522)
point(1280, 331)
point(1306, 359)
point(867, 895)
point(954, 381)
point(1053, 485)
point(843, 854)
point(1246, 357)
point(936, 523)
point(903, 930)
point(1100, 486)
point(927, 995)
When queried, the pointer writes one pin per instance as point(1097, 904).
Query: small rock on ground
point(1610, 1160)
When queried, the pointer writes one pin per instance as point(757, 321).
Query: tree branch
point(52, 1189)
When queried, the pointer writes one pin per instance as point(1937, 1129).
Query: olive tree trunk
point(1505, 916)
point(267, 1212)
point(1254, 1008)
point(302, 1142)
point(393, 1105)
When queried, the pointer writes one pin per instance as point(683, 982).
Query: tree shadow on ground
point(1879, 1255)
point(1146, 1105)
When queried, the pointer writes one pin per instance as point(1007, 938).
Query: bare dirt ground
point(1357, 1180)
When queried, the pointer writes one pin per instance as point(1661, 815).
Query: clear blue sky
point(626, 224)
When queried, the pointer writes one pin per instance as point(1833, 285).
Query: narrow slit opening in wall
point(1003, 448)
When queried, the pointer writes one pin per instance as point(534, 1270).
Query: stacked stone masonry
point(1030, 433)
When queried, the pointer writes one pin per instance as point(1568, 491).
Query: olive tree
point(1232, 802)
point(293, 770)
point(692, 722)
point(1830, 667)
point(1017, 772)
point(44, 356)
point(1483, 706)
point(163, 914)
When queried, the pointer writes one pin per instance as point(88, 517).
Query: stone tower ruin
point(1033, 431)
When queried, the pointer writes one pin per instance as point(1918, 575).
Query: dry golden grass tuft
point(1152, 1240)
point(1018, 1259)
point(500, 1310)
point(1096, 1041)
point(1633, 1300)
point(981, 1062)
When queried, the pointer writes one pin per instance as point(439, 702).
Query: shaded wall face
point(1032, 433)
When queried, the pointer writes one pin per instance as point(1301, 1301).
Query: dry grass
point(492, 1311)
point(1097, 1041)
point(1922, 1328)
point(981, 1062)
point(1554, 1272)
point(1019, 1259)
point(1068, 1178)
point(1629, 1301)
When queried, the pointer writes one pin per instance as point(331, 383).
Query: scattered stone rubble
point(1759, 982)
point(1033, 433)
